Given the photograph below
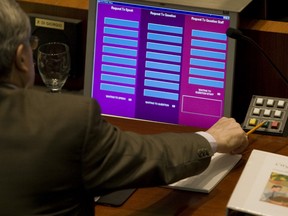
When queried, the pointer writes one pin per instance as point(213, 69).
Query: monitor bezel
point(90, 47)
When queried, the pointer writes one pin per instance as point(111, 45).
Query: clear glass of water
point(53, 60)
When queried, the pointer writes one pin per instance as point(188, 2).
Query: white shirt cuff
point(210, 139)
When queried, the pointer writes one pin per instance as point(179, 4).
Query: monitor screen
point(160, 62)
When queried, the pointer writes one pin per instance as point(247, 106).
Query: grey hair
point(14, 29)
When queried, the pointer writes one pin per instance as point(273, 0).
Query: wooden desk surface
point(160, 201)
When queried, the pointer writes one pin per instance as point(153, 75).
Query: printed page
point(219, 167)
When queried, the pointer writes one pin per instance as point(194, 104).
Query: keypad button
point(256, 111)
point(270, 102)
point(266, 124)
point(267, 112)
point(281, 104)
point(259, 101)
point(253, 122)
point(275, 124)
point(277, 114)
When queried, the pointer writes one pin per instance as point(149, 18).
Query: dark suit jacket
point(57, 153)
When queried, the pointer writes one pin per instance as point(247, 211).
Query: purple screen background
point(182, 83)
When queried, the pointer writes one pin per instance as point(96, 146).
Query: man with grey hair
point(14, 33)
point(57, 152)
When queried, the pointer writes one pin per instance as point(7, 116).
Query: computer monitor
point(170, 63)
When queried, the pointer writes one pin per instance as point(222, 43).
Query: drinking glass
point(53, 60)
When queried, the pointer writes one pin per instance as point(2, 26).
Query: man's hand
point(229, 136)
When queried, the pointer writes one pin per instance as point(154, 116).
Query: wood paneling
point(77, 9)
point(254, 75)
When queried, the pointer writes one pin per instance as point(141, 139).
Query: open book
point(220, 166)
point(263, 186)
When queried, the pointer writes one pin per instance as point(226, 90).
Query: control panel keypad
point(270, 109)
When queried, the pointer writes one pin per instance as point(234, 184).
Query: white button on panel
point(277, 114)
point(267, 112)
point(259, 101)
point(270, 102)
point(281, 104)
point(256, 111)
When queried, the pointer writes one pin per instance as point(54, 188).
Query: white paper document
point(220, 166)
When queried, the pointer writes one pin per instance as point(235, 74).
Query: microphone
point(237, 34)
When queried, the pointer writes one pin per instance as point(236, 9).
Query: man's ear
point(21, 59)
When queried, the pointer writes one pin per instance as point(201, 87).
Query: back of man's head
point(14, 30)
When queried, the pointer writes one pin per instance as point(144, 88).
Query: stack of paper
point(220, 166)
